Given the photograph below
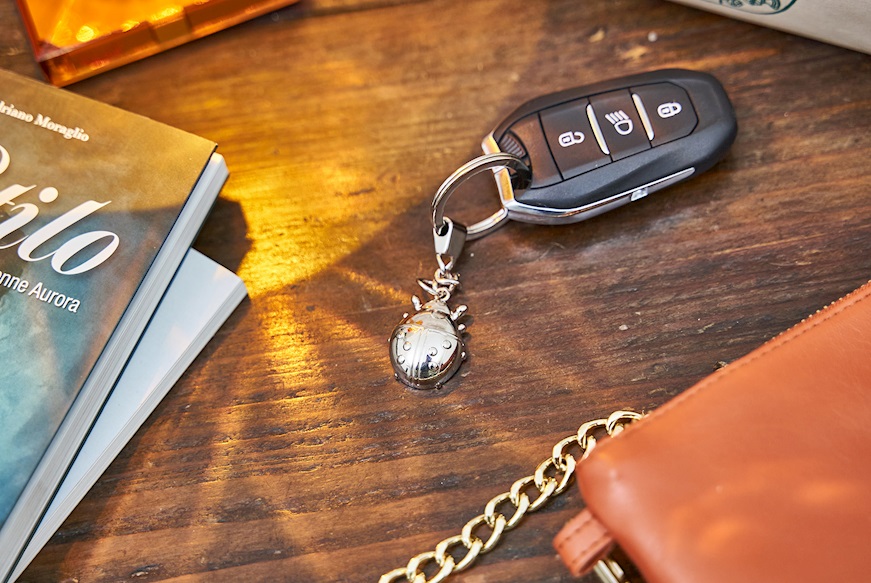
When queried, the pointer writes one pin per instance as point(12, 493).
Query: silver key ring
point(463, 173)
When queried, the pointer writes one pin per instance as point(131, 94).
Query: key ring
point(463, 173)
point(427, 348)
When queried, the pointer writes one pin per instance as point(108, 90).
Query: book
point(99, 206)
point(840, 22)
point(200, 298)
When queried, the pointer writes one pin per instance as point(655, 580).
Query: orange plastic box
point(75, 39)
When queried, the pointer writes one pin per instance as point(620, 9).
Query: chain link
point(551, 478)
point(444, 281)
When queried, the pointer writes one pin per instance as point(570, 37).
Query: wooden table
point(287, 452)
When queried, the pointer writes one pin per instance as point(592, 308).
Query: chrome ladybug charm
point(426, 348)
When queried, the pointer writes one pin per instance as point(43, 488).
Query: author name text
point(39, 292)
point(44, 122)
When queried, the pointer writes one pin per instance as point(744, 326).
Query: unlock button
point(571, 139)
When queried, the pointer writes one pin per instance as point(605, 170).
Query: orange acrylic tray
point(75, 39)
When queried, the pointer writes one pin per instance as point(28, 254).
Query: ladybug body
point(426, 348)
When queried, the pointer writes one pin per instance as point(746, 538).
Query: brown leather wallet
point(759, 473)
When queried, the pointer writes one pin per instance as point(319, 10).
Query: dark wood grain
point(287, 452)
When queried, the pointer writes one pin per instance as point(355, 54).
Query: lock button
point(571, 139)
point(619, 123)
point(668, 110)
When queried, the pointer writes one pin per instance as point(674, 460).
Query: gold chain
point(548, 486)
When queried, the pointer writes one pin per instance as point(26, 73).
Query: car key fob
point(594, 148)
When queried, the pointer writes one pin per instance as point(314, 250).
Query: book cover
point(200, 298)
point(840, 22)
point(98, 208)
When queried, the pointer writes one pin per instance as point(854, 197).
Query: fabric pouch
point(759, 473)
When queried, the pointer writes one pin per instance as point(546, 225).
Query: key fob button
point(668, 110)
point(528, 132)
point(619, 123)
point(571, 139)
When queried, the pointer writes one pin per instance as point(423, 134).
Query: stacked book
point(103, 303)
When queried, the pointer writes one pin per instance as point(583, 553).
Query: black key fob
point(594, 148)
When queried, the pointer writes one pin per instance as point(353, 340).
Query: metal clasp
point(609, 571)
point(616, 567)
point(450, 240)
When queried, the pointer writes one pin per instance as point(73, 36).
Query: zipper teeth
point(830, 306)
